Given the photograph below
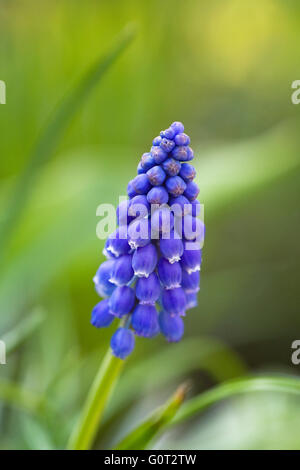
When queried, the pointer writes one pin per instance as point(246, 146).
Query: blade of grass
point(141, 436)
point(23, 330)
point(53, 131)
point(99, 394)
point(232, 388)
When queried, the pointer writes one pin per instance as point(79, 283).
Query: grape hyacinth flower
point(152, 273)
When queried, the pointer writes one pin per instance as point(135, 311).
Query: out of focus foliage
point(223, 68)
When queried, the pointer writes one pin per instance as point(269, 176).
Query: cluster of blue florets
point(151, 281)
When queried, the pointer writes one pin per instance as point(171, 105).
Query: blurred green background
point(223, 68)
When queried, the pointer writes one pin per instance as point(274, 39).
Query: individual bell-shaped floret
point(144, 320)
point(140, 169)
point(139, 206)
point(122, 271)
point(180, 205)
point(172, 327)
point(117, 243)
point(162, 222)
point(191, 258)
point(190, 282)
point(148, 289)
point(171, 248)
point(190, 227)
point(121, 301)
point(144, 260)
point(174, 301)
point(169, 274)
point(122, 343)
point(102, 277)
point(101, 316)
point(139, 233)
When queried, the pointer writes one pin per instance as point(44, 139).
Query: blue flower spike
point(152, 273)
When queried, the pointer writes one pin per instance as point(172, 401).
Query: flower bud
point(171, 249)
point(162, 221)
point(148, 289)
point(182, 139)
point(101, 317)
point(122, 342)
point(180, 153)
point(171, 166)
point(139, 233)
point(144, 320)
point(141, 184)
point(156, 175)
point(191, 259)
point(190, 282)
point(156, 141)
point(180, 205)
point(158, 195)
point(178, 127)
point(103, 285)
point(192, 190)
point(147, 161)
point(174, 301)
point(117, 243)
point(167, 145)
point(187, 172)
point(168, 133)
point(144, 260)
point(175, 185)
point(138, 206)
point(122, 271)
point(130, 190)
point(171, 327)
point(170, 274)
point(191, 227)
point(158, 154)
point(121, 301)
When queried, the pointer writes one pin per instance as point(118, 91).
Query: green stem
point(99, 394)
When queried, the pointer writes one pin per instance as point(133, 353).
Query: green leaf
point(23, 330)
point(141, 436)
point(236, 387)
point(84, 432)
point(207, 354)
point(52, 133)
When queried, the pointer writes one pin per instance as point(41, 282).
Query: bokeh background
point(225, 69)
